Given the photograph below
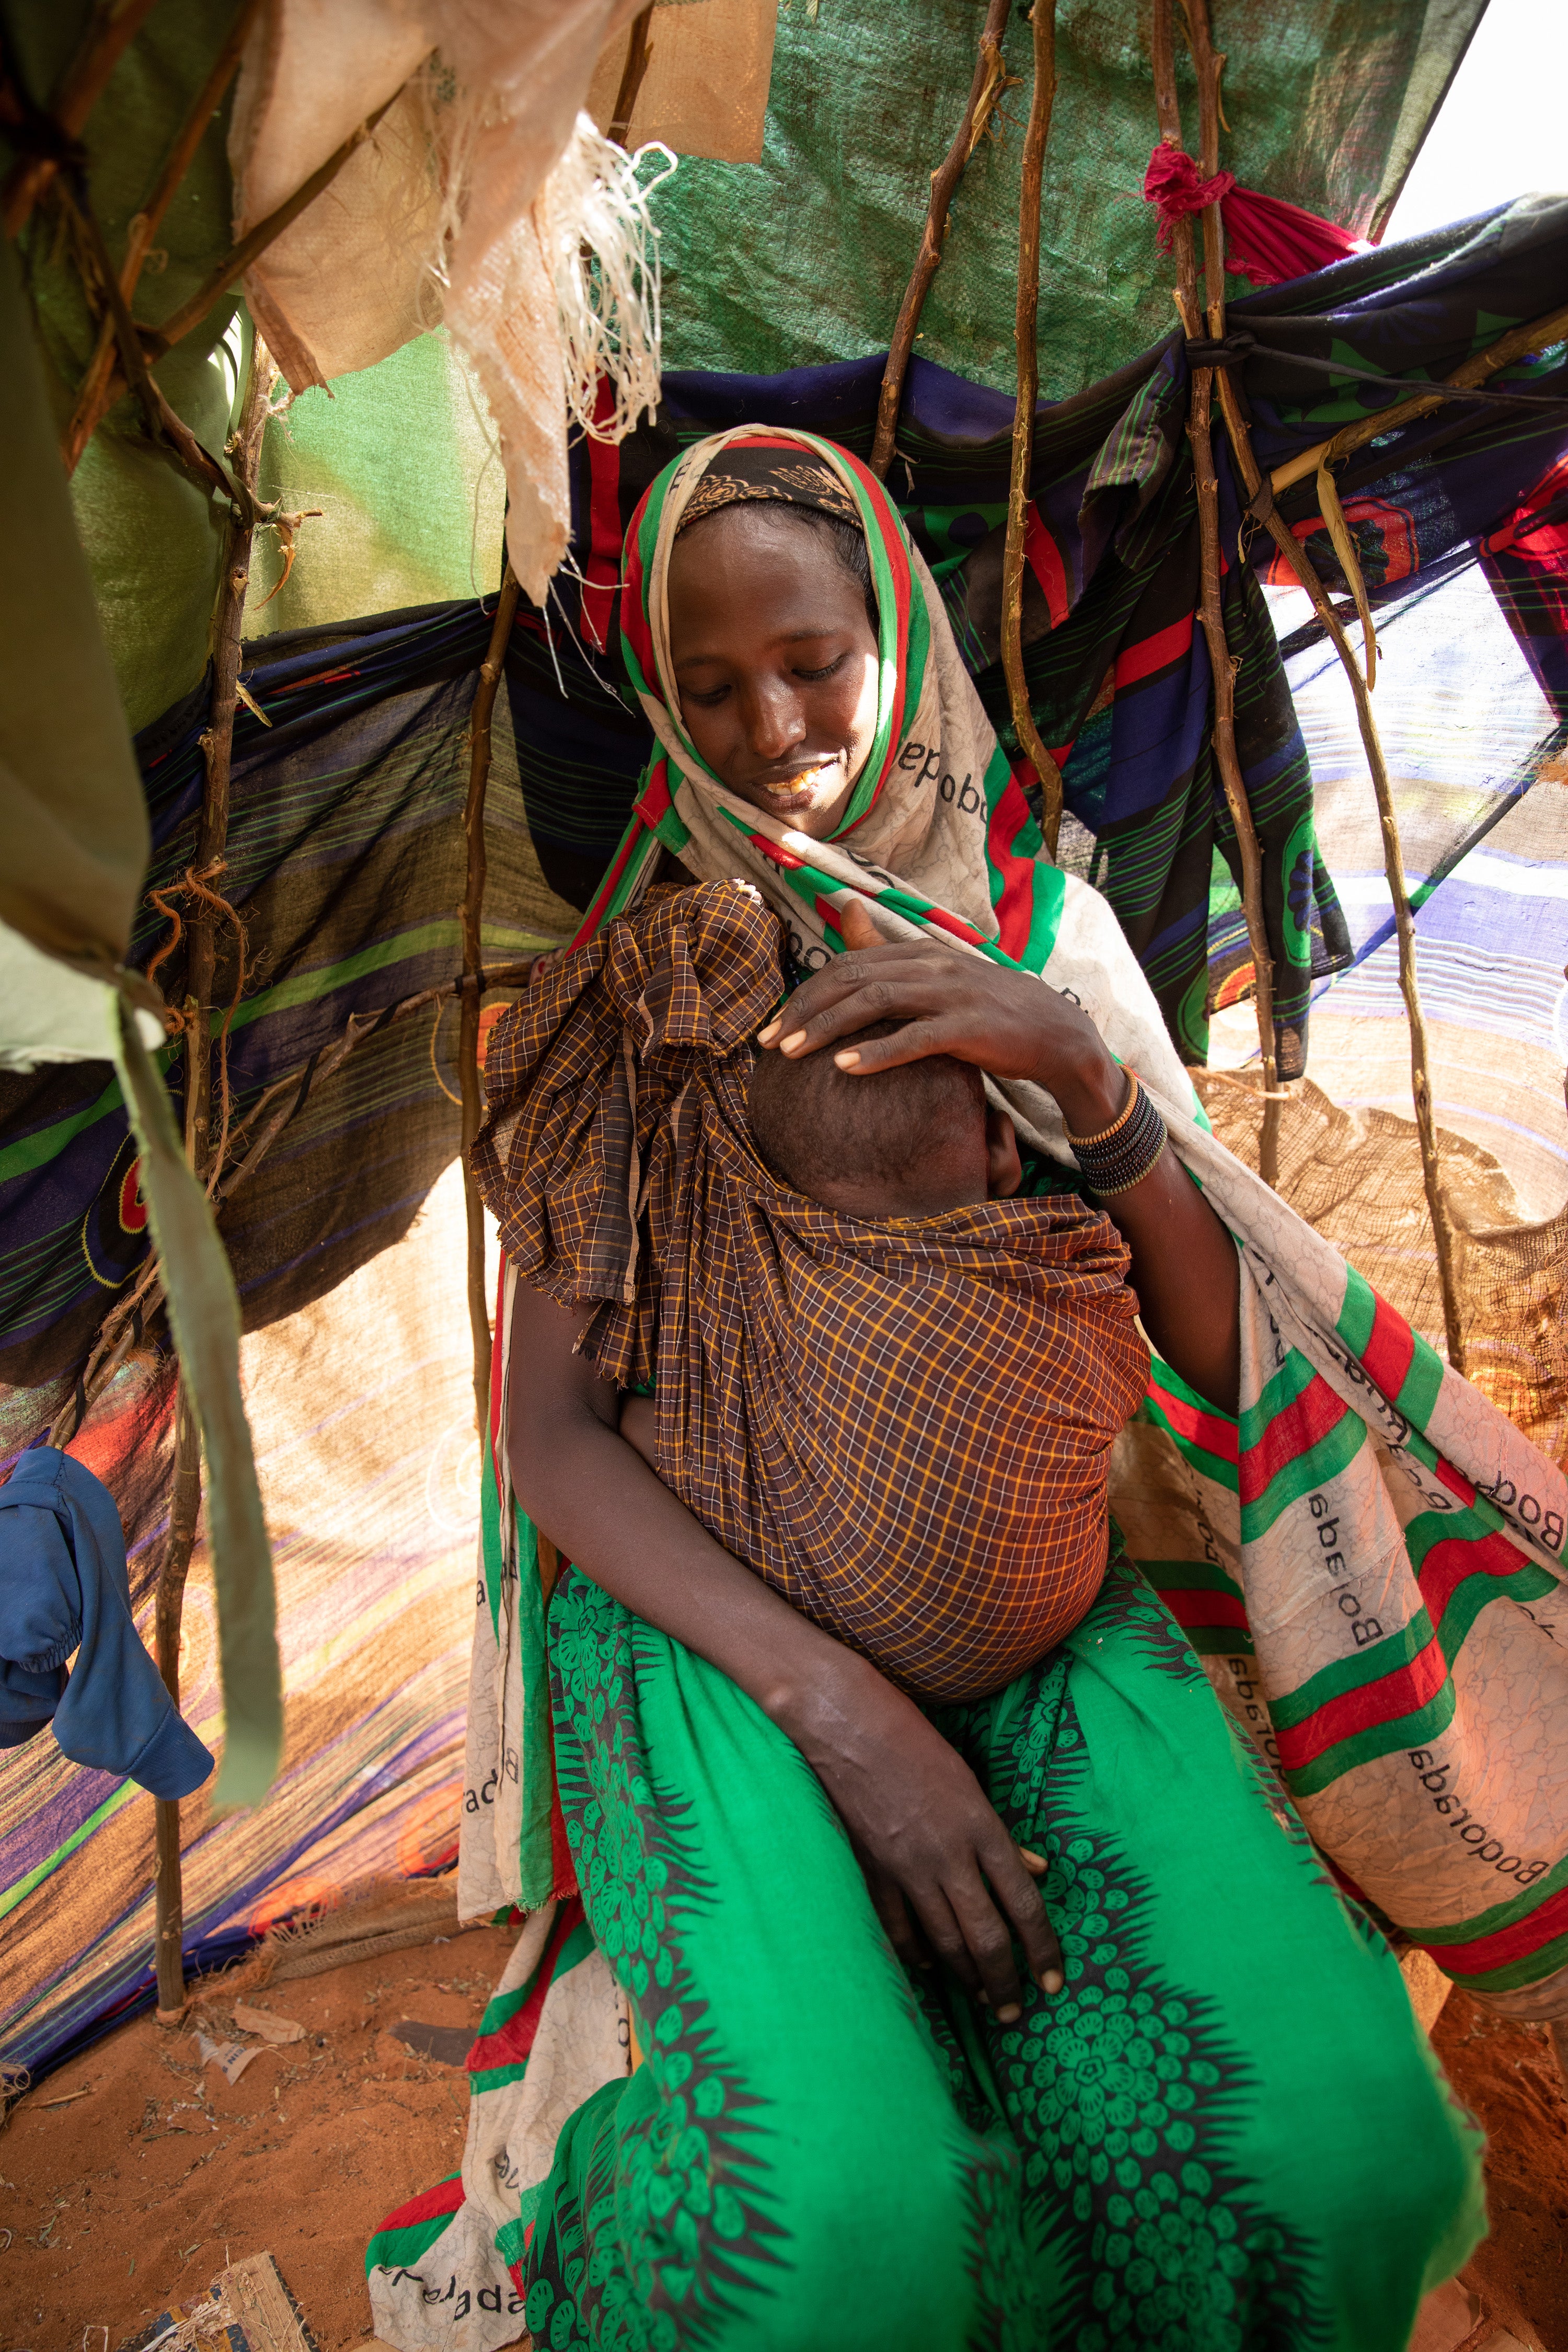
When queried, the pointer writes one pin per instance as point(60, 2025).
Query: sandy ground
point(1508, 2078)
point(133, 2195)
point(137, 2193)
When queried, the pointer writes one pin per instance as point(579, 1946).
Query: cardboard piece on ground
point(262, 2022)
point(249, 2306)
point(1425, 1983)
point(234, 2057)
point(448, 2045)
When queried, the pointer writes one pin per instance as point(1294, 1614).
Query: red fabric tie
point(1269, 240)
point(1172, 184)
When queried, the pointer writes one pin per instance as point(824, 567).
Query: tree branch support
point(212, 838)
point(990, 81)
point(1043, 23)
point(1211, 612)
point(1300, 563)
point(473, 980)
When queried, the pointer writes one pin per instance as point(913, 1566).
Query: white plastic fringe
point(604, 249)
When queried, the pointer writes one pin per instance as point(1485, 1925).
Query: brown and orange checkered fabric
point(903, 1425)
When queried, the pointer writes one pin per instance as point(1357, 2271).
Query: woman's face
point(775, 663)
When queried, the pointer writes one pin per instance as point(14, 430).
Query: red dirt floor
point(135, 2195)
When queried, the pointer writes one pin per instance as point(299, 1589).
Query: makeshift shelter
point(786, 238)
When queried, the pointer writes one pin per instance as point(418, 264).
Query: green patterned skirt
point(1227, 2131)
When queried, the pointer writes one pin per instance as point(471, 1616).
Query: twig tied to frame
point(473, 980)
point(1210, 608)
point(639, 57)
point(113, 27)
point(990, 80)
point(250, 1138)
point(1301, 564)
point(1043, 22)
point(1535, 335)
point(97, 388)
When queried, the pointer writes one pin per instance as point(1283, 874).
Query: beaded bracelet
point(1123, 1154)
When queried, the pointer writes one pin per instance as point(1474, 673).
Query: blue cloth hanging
point(64, 1587)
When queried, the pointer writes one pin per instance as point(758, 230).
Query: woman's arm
point(1184, 1261)
point(929, 1842)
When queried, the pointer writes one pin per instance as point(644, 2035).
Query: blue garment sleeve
point(64, 1586)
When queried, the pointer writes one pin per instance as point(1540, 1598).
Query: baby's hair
point(815, 1124)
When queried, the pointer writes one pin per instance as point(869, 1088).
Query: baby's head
point(906, 1142)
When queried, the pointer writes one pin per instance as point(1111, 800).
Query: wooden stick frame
point(639, 57)
point(472, 984)
point(110, 30)
point(1042, 25)
point(1535, 335)
point(1210, 609)
point(1301, 564)
point(990, 81)
point(93, 395)
point(212, 838)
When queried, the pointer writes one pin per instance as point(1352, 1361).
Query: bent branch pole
point(108, 36)
point(639, 57)
point(128, 1320)
point(212, 838)
point(473, 979)
point(154, 342)
point(1210, 609)
point(1043, 22)
point(94, 393)
point(1300, 563)
point(255, 242)
point(1535, 335)
point(990, 80)
point(184, 1502)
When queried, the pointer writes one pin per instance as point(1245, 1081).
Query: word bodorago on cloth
point(1367, 1559)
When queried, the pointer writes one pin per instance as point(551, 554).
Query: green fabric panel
point(73, 824)
point(1226, 2113)
point(397, 456)
point(153, 541)
point(204, 1311)
point(401, 460)
point(805, 256)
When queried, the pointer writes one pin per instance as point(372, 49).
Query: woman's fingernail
point(765, 1036)
point(1010, 2015)
point(849, 1060)
point(1032, 1861)
point(795, 1038)
point(1052, 1981)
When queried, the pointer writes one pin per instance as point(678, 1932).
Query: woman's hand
point(1184, 1261)
point(933, 1851)
point(1008, 1023)
point(945, 1877)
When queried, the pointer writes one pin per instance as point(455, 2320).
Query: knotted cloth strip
point(1269, 240)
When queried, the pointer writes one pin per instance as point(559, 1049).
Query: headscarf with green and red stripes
point(937, 831)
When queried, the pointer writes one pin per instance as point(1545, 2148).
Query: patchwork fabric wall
point(804, 257)
point(345, 863)
point(362, 1407)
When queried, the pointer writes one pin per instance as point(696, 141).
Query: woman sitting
point(897, 2087)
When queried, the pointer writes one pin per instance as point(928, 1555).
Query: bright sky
point(1502, 129)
